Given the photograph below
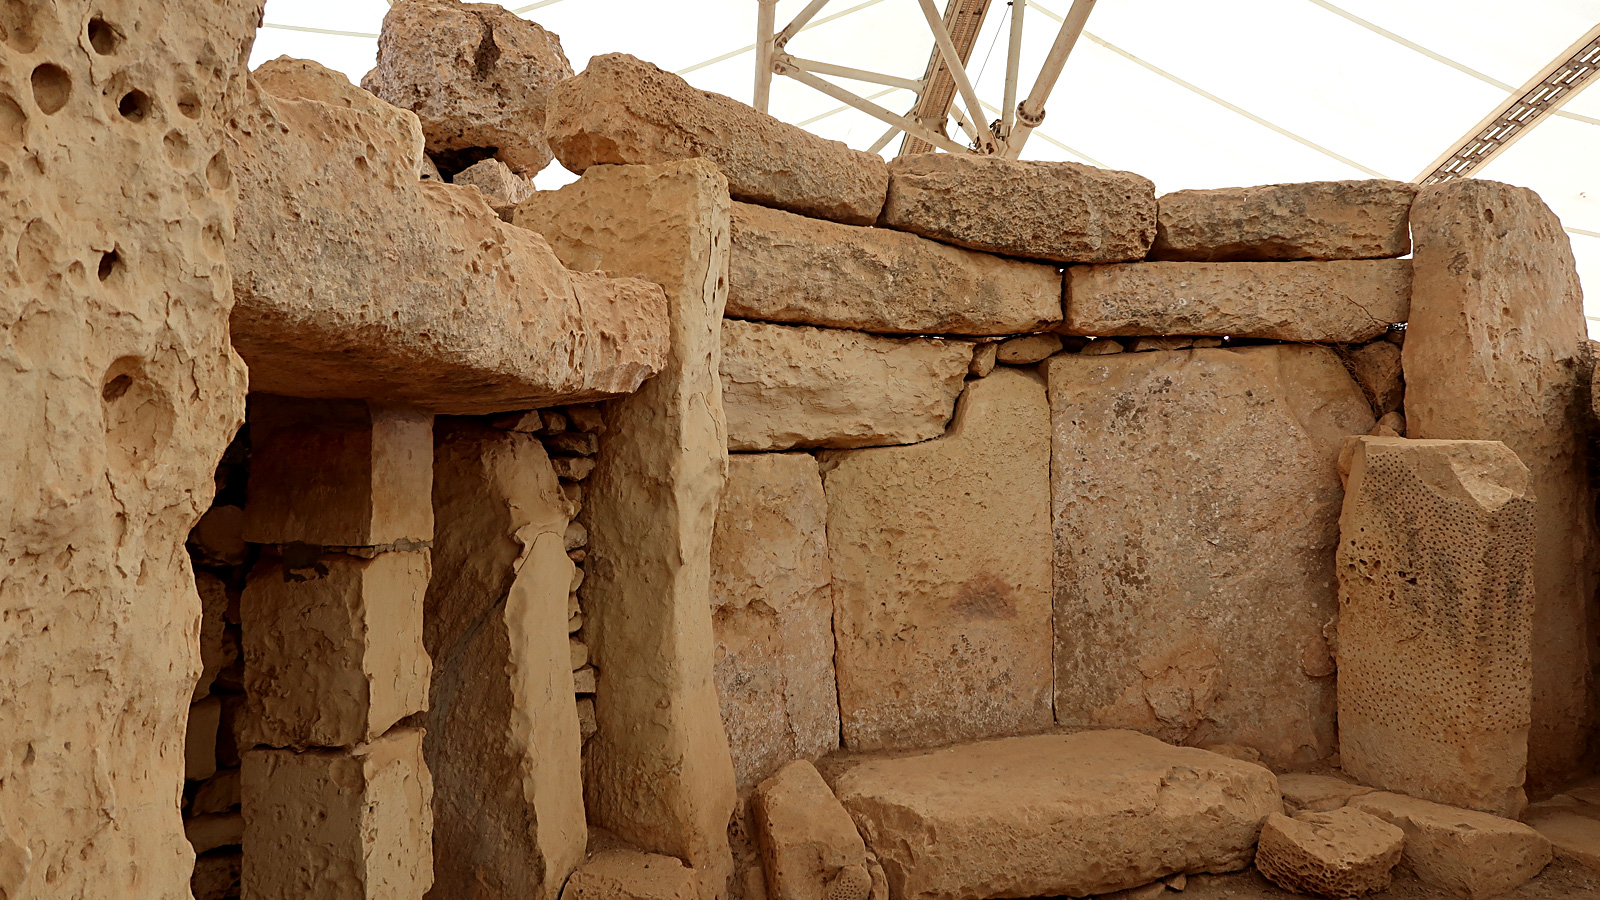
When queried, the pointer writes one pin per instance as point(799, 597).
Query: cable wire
point(809, 25)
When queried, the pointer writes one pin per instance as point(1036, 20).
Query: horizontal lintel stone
point(1309, 220)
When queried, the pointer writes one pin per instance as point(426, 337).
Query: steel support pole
point(1008, 108)
point(958, 70)
point(766, 20)
point(868, 107)
point(1031, 111)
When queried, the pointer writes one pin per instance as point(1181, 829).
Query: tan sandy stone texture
point(338, 824)
point(623, 874)
point(1028, 349)
point(623, 110)
point(498, 183)
point(810, 848)
point(1572, 835)
point(1471, 854)
point(477, 76)
point(120, 393)
point(1493, 352)
point(503, 742)
point(786, 386)
point(658, 772)
point(1342, 853)
point(1196, 509)
point(1317, 793)
point(772, 614)
point(941, 571)
point(1308, 220)
point(1348, 301)
point(1051, 815)
point(1377, 367)
point(788, 268)
point(1059, 211)
point(1436, 600)
point(420, 295)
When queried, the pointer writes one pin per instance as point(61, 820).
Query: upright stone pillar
point(659, 773)
point(1492, 353)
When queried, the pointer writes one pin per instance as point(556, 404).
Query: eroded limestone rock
point(1471, 854)
point(502, 187)
point(809, 847)
point(1311, 220)
point(630, 875)
point(1343, 853)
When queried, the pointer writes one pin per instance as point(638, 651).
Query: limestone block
point(1052, 815)
point(218, 538)
point(219, 793)
point(1058, 211)
point(940, 557)
point(788, 268)
point(1572, 836)
point(1436, 600)
point(1343, 853)
point(625, 110)
point(503, 742)
point(658, 772)
point(630, 875)
point(785, 386)
point(809, 846)
point(772, 615)
point(984, 357)
point(333, 652)
point(209, 832)
point(1310, 220)
point(499, 184)
point(420, 294)
point(119, 393)
point(1493, 353)
point(339, 824)
point(1345, 301)
point(1196, 510)
point(1317, 793)
point(1027, 350)
point(477, 76)
point(338, 473)
point(200, 739)
point(216, 651)
point(1377, 369)
point(1471, 854)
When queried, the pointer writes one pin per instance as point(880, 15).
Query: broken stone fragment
point(1311, 220)
point(809, 846)
point(1149, 344)
point(785, 386)
point(499, 184)
point(1059, 211)
point(218, 538)
point(1342, 853)
point(1573, 836)
point(1101, 347)
point(583, 680)
point(1471, 854)
point(587, 725)
point(219, 793)
point(573, 468)
point(1029, 349)
point(631, 875)
point(1317, 793)
point(625, 110)
point(216, 651)
point(200, 739)
point(1377, 369)
point(572, 443)
point(984, 358)
point(208, 832)
point(477, 76)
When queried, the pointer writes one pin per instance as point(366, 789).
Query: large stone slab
point(1196, 507)
point(772, 614)
point(1436, 600)
point(476, 75)
point(1059, 211)
point(788, 268)
point(785, 386)
point(658, 772)
point(1471, 854)
point(940, 556)
point(1309, 220)
point(624, 110)
point(1345, 302)
point(1493, 352)
point(503, 742)
point(355, 279)
point(1053, 815)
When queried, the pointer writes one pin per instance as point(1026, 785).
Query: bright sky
point(1297, 64)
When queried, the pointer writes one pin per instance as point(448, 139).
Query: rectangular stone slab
point(788, 268)
point(1332, 302)
point(1053, 815)
point(1309, 220)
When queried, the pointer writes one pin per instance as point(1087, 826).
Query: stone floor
point(1561, 880)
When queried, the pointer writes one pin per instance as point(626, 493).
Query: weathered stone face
point(788, 268)
point(940, 557)
point(1493, 352)
point(1196, 504)
point(631, 875)
point(625, 110)
point(1343, 853)
point(808, 843)
point(785, 386)
point(1378, 370)
point(1471, 854)
point(1311, 220)
point(476, 75)
point(1058, 211)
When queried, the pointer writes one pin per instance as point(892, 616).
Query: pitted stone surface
point(1310, 220)
point(1471, 854)
point(809, 847)
point(1342, 853)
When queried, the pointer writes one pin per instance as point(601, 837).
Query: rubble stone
point(984, 357)
point(216, 651)
point(1344, 302)
point(1311, 220)
point(630, 875)
point(209, 832)
point(200, 739)
point(788, 268)
point(1050, 815)
point(499, 184)
point(219, 793)
point(1471, 854)
point(1317, 793)
point(1028, 349)
point(1377, 369)
point(1343, 853)
point(625, 110)
point(1058, 211)
point(940, 558)
point(785, 386)
point(1229, 451)
point(477, 76)
point(807, 839)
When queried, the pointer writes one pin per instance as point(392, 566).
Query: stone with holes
point(1311, 220)
point(1342, 853)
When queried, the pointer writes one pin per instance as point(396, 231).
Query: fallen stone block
point(1310, 220)
point(1328, 302)
point(1436, 573)
point(809, 847)
point(941, 579)
point(1052, 815)
point(1572, 836)
point(1471, 854)
point(1317, 793)
point(216, 651)
point(785, 386)
point(631, 875)
point(1058, 211)
point(788, 268)
point(624, 110)
point(1342, 853)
